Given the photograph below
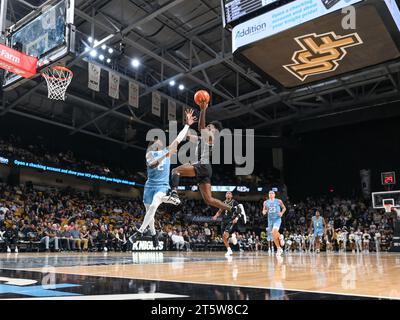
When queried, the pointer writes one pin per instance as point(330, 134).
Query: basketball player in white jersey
point(358, 240)
point(366, 238)
point(377, 240)
point(275, 210)
point(352, 241)
point(344, 237)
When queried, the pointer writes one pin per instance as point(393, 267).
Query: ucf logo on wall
point(320, 53)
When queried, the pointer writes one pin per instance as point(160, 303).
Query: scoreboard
point(388, 178)
point(237, 11)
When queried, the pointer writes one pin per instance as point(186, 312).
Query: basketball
point(202, 97)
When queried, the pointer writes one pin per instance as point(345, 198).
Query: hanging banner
point(94, 77)
point(156, 104)
point(171, 110)
point(113, 83)
point(365, 176)
point(133, 95)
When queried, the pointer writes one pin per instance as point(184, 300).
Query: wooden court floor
point(358, 275)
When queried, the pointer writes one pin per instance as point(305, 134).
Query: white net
point(388, 208)
point(58, 79)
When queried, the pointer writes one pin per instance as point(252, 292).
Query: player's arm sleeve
point(182, 134)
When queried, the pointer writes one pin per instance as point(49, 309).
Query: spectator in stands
point(103, 239)
point(48, 237)
point(177, 241)
point(207, 233)
point(84, 237)
point(76, 237)
point(121, 239)
point(11, 238)
point(2, 235)
point(66, 238)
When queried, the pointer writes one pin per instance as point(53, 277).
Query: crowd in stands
point(14, 147)
point(38, 218)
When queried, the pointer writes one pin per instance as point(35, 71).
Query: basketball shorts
point(228, 226)
point(203, 173)
point(274, 223)
point(149, 193)
point(318, 233)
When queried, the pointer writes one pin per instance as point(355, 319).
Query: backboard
point(47, 33)
point(379, 199)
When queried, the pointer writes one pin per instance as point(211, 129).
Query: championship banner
point(94, 77)
point(133, 95)
point(156, 104)
point(113, 83)
point(171, 110)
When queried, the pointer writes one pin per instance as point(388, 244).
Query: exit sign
point(388, 178)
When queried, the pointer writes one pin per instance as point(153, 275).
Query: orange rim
point(60, 68)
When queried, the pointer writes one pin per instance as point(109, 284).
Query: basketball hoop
point(388, 208)
point(58, 79)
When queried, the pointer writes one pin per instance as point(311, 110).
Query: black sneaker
point(173, 198)
point(135, 237)
point(155, 241)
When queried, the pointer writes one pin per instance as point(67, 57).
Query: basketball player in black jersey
point(202, 169)
point(229, 221)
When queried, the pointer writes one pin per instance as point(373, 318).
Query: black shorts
point(228, 226)
point(203, 173)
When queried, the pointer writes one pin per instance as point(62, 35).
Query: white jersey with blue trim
point(158, 176)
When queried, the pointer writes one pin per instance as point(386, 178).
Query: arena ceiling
point(183, 40)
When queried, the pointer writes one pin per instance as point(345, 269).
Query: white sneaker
point(16, 250)
point(8, 250)
point(105, 249)
point(229, 252)
point(281, 240)
point(243, 213)
point(279, 252)
point(234, 239)
point(269, 252)
point(173, 198)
